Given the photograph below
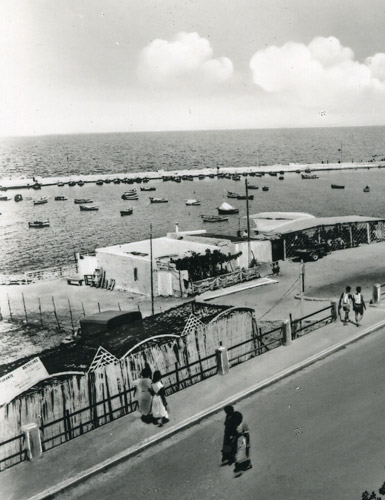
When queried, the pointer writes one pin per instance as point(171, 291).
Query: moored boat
point(36, 186)
point(236, 177)
point(72, 183)
point(226, 208)
point(40, 201)
point(127, 211)
point(244, 197)
point(273, 174)
point(61, 198)
point(230, 194)
point(193, 203)
point(82, 201)
point(18, 197)
point(130, 195)
point(265, 188)
point(147, 188)
point(337, 186)
point(81, 183)
point(366, 189)
point(38, 223)
point(252, 186)
point(4, 198)
point(60, 184)
point(84, 208)
point(158, 200)
point(214, 218)
point(309, 176)
point(99, 182)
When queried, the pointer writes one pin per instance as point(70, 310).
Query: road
point(318, 435)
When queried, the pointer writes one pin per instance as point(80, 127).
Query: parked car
point(313, 252)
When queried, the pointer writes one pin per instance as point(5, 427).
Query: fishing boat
point(252, 186)
point(158, 200)
point(244, 197)
point(82, 201)
point(40, 201)
point(193, 203)
point(4, 198)
point(61, 198)
point(18, 197)
point(84, 208)
point(337, 186)
point(130, 195)
point(366, 189)
point(81, 183)
point(265, 188)
point(226, 208)
point(127, 211)
point(309, 176)
point(99, 182)
point(214, 218)
point(230, 194)
point(39, 223)
point(147, 188)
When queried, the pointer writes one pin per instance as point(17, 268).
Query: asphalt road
point(318, 435)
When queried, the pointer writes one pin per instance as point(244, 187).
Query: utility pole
point(302, 285)
point(151, 273)
point(248, 225)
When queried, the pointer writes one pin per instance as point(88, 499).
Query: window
point(135, 274)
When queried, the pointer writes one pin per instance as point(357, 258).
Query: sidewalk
point(84, 456)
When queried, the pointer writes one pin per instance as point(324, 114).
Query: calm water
point(71, 230)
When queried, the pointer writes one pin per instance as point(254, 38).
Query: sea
point(72, 231)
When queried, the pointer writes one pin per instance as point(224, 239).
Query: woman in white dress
point(159, 402)
point(144, 386)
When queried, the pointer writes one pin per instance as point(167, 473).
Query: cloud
point(185, 62)
point(323, 72)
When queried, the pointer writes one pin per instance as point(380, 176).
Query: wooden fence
point(225, 280)
point(48, 274)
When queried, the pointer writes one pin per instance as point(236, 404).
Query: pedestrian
point(159, 402)
point(144, 387)
point(228, 438)
point(358, 305)
point(242, 444)
point(345, 303)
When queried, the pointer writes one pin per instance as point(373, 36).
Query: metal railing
point(305, 326)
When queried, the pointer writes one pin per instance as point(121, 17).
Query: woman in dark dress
point(228, 438)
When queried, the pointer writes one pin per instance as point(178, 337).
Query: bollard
point(376, 293)
point(287, 336)
point(32, 441)
point(222, 360)
point(334, 311)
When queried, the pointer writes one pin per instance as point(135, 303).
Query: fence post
point(376, 293)
point(222, 360)
point(32, 441)
point(25, 309)
point(287, 337)
point(334, 310)
point(9, 307)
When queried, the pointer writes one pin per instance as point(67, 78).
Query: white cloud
point(182, 63)
point(323, 73)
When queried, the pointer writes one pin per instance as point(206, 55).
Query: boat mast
point(151, 273)
point(248, 225)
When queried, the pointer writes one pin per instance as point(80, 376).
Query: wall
point(86, 264)
point(260, 249)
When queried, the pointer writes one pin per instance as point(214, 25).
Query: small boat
point(201, 176)
point(145, 179)
point(107, 181)
point(211, 176)
point(177, 179)
point(281, 172)
point(337, 186)
point(72, 183)
point(244, 174)
point(220, 176)
point(99, 182)
point(187, 177)
point(366, 189)
point(214, 218)
point(39, 223)
point(18, 197)
point(4, 198)
point(244, 197)
point(259, 174)
point(308, 171)
point(84, 208)
point(127, 211)
point(281, 178)
point(273, 174)
point(309, 176)
point(158, 200)
point(81, 183)
point(265, 188)
point(61, 198)
point(82, 201)
point(60, 184)
point(193, 203)
point(252, 186)
point(36, 186)
point(116, 181)
point(236, 177)
point(147, 188)
point(226, 208)
point(40, 201)
point(130, 195)
point(230, 194)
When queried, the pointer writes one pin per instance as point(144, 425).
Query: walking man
point(345, 303)
point(358, 305)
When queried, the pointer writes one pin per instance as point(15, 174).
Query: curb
point(185, 424)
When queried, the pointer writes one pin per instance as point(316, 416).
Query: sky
point(91, 66)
